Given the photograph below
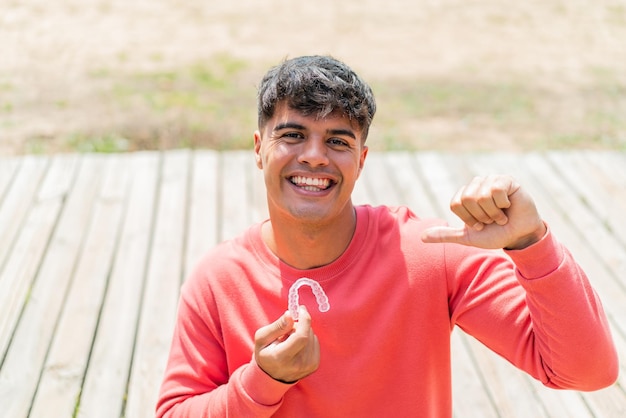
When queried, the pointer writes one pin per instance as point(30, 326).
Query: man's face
point(310, 165)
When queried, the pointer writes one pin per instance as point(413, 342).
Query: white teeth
point(315, 183)
point(311, 188)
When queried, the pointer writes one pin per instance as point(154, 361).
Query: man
point(375, 291)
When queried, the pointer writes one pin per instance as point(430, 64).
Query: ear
point(257, 149)
point(362, 157)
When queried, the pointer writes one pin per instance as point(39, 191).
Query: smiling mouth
point(311, 184)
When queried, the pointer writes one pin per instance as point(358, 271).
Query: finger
point(302, 343)
point(473, 213)
point(501, 198)
point(305, 341)
point(483, 200)
point(469, 212)
point(303, 332)
point(497, 197)
point(283, 326)
point(440, 234)
point(304, 318)
point(490, 208)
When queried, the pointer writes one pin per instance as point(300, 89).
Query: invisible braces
point(322, 300)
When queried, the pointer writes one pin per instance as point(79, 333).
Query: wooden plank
point(20, 369)
point(469, 399)
point(611, 177)
point(203, 207)
point(560, 403)
point(605, 215)
point(259, 196)
point(609, 402)
point(104, 389)
point(160, 300)
point(68, 356)
point(414, 193)
point(27, 231)
point(8, 168)
point(17, 202)
point(600, 184)
point(507, 386)
point(360, 194)
point(379, 185)
point(234, 192)
point(440, 183)
point(390, 179)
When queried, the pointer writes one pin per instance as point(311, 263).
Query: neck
point(306, 246)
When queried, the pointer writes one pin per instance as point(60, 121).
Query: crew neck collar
point(322, 273)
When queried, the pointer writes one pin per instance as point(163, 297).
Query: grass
point(106, 143)
point(212, 104)
point(516, 111)
point(203, 105)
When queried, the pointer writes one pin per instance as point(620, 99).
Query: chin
point(309, 215)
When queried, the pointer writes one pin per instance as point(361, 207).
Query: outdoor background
point(96, 75)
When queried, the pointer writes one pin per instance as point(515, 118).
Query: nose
point(314, 152)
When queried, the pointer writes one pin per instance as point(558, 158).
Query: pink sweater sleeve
point(555, 329)
point(197, 382)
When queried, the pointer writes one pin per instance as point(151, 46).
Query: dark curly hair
point(317, 85)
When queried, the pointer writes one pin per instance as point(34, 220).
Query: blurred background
point(119, 75)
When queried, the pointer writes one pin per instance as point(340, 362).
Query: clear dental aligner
point(322, 300)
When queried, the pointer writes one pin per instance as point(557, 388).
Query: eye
point(338, 142)
point(293, 135)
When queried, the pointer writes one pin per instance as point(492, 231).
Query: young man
point(376, 291)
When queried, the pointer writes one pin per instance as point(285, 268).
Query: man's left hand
point(497, 213)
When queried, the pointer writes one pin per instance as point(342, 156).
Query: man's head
point(318, 86)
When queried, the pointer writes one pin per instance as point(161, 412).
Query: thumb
point(266, 335)
point(439, 234)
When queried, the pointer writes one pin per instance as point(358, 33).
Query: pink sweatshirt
point(385, 341)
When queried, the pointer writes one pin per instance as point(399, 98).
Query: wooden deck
point(93, 250)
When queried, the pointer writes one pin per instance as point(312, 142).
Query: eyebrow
point(289, 125)
point(342, 132)
point(293, 125)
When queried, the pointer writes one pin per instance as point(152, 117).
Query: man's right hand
point(288, 350)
